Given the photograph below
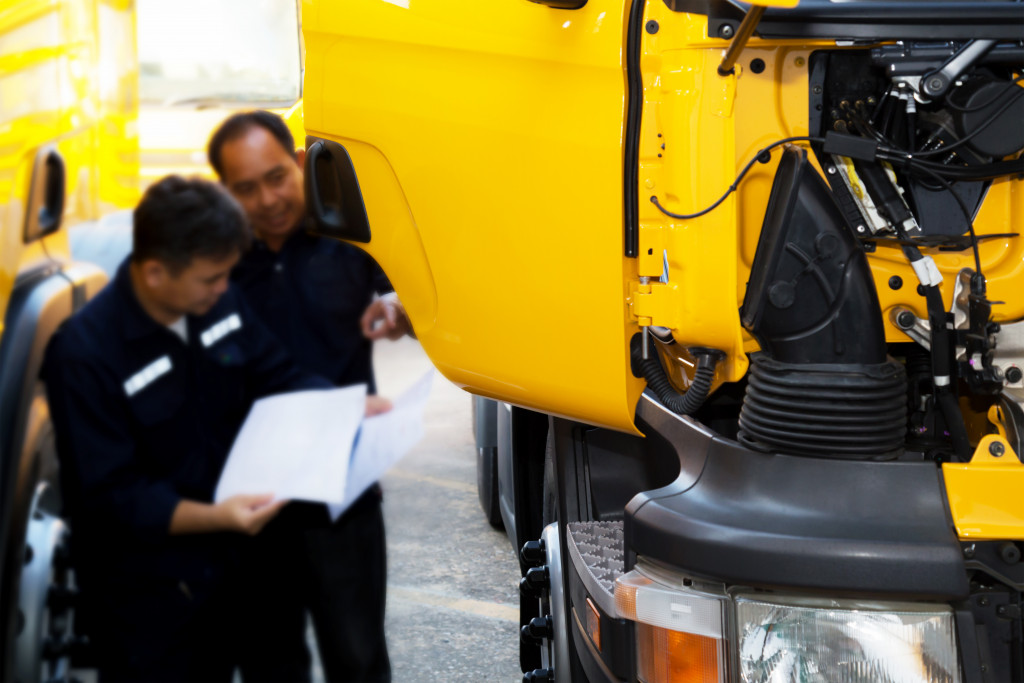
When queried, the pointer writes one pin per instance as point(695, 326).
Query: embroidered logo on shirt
point(220, 330)
point(147, 375)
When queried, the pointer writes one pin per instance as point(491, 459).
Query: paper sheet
point(384, 439)
point(296, 446)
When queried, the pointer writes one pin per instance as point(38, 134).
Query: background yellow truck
point(747, 285)
point(202, 60)
point(68, 155)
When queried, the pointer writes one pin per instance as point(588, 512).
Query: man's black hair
point(238, 125)
point(179, 220)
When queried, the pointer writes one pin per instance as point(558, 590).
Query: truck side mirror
point(334, 203)
point(46, 195)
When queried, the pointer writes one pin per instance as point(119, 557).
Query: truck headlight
point(841, 641)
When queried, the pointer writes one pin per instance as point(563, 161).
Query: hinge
point(656, 303)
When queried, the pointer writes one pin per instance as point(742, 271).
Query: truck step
point(596, 550)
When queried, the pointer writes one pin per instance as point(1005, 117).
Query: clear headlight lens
point(795, 640)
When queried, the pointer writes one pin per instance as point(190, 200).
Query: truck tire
point(484, 411)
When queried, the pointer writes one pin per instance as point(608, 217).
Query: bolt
point(652, 27)
point(831, 170)
point(1009, 552)
point(816, 90)
point(969, 553)
point(799, 61)
point(905, 320)
point(533, 553)
point(861, 229)
point(996, 448)
point(1001, 610)
point(726, 31)
point(935, 84)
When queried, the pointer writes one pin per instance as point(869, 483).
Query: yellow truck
point(68, 155)
point(742, 285)
point(201, 61)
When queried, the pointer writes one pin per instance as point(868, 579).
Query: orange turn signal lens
point(665, 656)
point(594, 624)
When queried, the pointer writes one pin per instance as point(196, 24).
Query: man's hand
point(375, 405)
point(248, 514)
point(390, 314)
point(241, 514)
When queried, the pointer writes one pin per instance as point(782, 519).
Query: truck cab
point(194, 73)
point(68, 156)
point(741, 286)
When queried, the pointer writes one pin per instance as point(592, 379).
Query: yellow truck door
point(412, 91)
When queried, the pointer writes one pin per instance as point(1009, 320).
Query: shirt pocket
point(156, 393)
point(338, 285)
point(225, 380)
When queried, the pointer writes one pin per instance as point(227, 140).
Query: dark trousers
point(160, 630)
point(335, 571)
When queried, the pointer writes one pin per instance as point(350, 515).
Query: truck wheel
point(43, 625)
point(487, 485)
point(487, 466)
point(45, 598)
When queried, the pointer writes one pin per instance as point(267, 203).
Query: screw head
point(969, 553)
point(726, 31)
point(997, 449)
point(895, 282)
point(1014, 374)
point(935, 84)
point(652, 26)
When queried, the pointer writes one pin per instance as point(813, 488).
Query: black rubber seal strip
point(634, 114)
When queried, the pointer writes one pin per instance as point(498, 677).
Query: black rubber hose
point(686, 403)
point(942, 368)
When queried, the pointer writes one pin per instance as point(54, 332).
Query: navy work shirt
point(312, 294)
point(144, 420)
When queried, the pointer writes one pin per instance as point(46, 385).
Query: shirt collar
point(137, 323)
point(297, 237)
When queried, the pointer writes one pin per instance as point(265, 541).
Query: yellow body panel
point(67, 80)
point(487, 138)
point(984, 494)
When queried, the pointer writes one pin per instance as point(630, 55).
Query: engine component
point(989, 117)
point(823, 385)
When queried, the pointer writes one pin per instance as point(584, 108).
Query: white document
point(296, 446)
point(383, 440)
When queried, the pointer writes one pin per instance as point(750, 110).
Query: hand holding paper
point(300, 445)
point(295, 445)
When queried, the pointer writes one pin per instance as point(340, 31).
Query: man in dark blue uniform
point(148, 385)
point(320, 298)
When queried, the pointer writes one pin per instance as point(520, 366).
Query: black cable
point(978, 107)
point(688, 402)
point(967, 215)
point(996, 169)
point(739, 178)
point(982, 126)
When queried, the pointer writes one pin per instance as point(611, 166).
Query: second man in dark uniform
point(326, 301)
